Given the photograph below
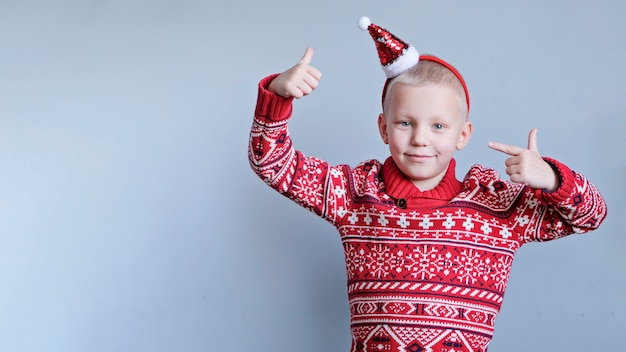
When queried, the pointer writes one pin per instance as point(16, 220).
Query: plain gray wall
point(131, 220)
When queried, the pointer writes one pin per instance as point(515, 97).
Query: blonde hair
point(428, 72)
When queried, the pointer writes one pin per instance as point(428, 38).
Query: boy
point(427, 257)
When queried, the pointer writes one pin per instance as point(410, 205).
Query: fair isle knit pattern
point(426, 271)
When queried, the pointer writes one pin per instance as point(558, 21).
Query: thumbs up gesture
point(526, 166)
point(298, 81)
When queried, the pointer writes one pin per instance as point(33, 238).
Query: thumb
point(308, 56)
point(532, 140)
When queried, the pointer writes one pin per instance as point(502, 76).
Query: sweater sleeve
point(309, 181)
point(575, 207)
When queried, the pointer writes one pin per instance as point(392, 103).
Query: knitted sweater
point(426, 270)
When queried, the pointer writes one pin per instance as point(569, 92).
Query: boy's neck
point(432, 183)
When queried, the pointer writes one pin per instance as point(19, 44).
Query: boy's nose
point(420, 136)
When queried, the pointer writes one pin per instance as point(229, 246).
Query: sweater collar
point(399, 187)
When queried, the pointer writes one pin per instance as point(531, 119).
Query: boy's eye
point(438, 126)
point(405, 123)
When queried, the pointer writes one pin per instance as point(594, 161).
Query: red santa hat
point(397, 56)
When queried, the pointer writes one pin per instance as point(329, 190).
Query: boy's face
point(423, 127)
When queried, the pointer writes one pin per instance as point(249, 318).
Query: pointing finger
point(505, 148)
point(532, 140)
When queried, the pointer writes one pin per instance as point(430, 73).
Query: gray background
point(131, 220)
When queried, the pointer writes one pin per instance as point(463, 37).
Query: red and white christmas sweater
point(427, 270)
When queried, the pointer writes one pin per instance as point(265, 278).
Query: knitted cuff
point(271, 106)
point(566, 183)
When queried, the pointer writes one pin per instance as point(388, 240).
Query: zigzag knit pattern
point(426, 271)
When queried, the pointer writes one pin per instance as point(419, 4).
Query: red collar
point(404, 192)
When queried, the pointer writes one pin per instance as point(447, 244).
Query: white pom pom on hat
point(364, 22)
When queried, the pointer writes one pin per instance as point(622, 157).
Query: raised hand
point(298, 81)
point(526, 165)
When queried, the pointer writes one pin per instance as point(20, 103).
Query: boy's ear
point(465, 135)
point(382, 128)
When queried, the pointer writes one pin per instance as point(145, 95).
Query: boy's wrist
point(565, 182)
point(555, 180)
point(270, 105)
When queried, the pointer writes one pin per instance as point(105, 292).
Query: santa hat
point(397, 56)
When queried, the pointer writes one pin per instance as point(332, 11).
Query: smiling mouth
point(419, 158)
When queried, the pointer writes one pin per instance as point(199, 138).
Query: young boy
point(427, 257)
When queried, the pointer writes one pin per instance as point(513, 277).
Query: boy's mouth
point(419, 158)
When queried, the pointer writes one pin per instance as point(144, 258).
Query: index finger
point(505, 148)
point(315, 73)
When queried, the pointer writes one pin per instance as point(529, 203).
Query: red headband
point(446, 65)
